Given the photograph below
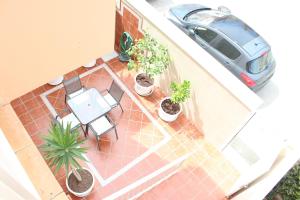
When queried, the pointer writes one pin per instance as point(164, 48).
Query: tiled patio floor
point(142, 148)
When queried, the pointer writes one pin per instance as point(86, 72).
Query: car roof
point(235, 29)
point(231, 26)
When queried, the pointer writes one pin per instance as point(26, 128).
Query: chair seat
point(70, 118)
point(112, 102)
point(101, 125)
point(76, 93)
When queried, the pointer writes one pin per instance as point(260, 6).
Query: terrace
point(151, 159)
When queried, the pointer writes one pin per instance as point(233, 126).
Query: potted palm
point(170, 106)
point(62, 149)
point(149, 58)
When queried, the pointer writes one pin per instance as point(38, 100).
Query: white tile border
point(154, 174)
point(127, 167)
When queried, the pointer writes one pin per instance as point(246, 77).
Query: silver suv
point(232, 42)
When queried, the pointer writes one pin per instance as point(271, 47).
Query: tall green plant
point(180, 92)
point(62, 148)
point(147, 53)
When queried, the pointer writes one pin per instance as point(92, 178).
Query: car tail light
point(249, 82)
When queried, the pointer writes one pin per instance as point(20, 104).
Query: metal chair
point(102, 125)
point(69, 118)
point(114, 95)
point(73, 87)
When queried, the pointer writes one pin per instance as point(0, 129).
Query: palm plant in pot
point(62, 149)
point(150, 58)
point(170, 106)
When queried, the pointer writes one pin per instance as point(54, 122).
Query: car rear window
point(261, 63)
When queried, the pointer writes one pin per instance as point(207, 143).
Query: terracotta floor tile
point(27, 96)
point(16, 102)
point(134, 126)
point(20, 109)
point(31, 128)
point(99, 61)
point(25, 118)
point(38, 139)
point(48, 86)
point(31, 104)
point(39, 90)
point(37, 113)
point(43, 122)
point(136, 116)
point(70, 75)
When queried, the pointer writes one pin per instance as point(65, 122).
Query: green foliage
point(62, 148)
point(180, 92)
point(147, 53)
point(289, 185)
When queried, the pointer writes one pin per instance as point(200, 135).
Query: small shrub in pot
point(170, 106)
point(150, 57)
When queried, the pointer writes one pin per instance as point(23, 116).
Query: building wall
point(41, 40)
point(29, 165)
point(212, 107)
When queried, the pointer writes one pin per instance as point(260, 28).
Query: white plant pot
point(90, 64)
point(166, 116)
point(56, 81)
point(81, 194)
point(142, 90)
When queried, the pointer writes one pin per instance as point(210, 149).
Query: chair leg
point(116, 133)
point(83, 130)
point(121, 107)
point(66, 99)
point(98, 145)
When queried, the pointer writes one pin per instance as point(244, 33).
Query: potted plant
point(150, 58)
point(62, 149)
point(170, 106)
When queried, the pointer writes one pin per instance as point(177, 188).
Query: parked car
point(232, 42)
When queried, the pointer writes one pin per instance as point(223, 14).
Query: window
point(227, 49)
point(206, 34)
point(260, 64)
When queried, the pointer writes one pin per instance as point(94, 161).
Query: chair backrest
point(72, 85)
point(115, 91)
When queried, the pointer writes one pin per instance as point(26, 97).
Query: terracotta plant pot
point(166, 116)
point(146, 89)
point(84, 193)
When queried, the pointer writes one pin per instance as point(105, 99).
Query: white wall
point(14, 182)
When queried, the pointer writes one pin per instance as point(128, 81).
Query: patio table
point(88, 106)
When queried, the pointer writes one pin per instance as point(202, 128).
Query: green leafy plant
point(180, 92)
point(62, 149)
point(147, 53)
point(289, 185)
